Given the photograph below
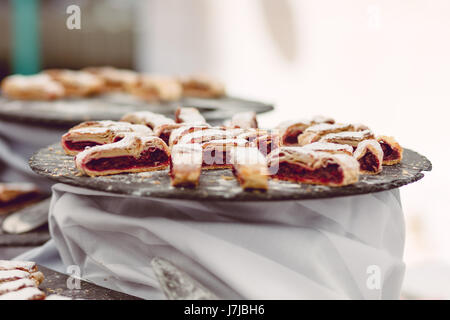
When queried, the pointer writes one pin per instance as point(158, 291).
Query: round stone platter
point(220, 185)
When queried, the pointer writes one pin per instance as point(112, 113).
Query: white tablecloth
point(312, 249)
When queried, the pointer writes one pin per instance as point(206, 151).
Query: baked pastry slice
point(114, 79)
point(26, 293)
point(34, 87)
point(330, 147)
point(290, 130)
point(243, 120)
point(186, 165)
point(150, 119)
point(28, 266)
point(131, 154)
point(77, 83)
point(298, 164)
point(15, 196)
point(209, 134)
point(178, 133)
point(89, 135)
point(370, 157)
point(216, 153)
point(201, 86)
point(351, 138)
point(15, 274)
point(156, 88)
point(315, 132)
point(249, 167)
point(265, 140)
point(392, 150)
point(15, 285)
point(190, 116)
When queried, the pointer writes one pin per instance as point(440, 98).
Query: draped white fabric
point(311, 249)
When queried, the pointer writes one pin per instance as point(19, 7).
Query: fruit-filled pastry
point(156, 88)
point(243, 120)
point(150, 119)
point(329, 147)
point(77, 83)
point(25, 293)
point(28, 266)
point(114, 79)
point(291, 129)
point(131, 154)
point(392, 151)
point(315, 132)
point(186, 165)
point(34, 87)
point(201, 86)
point(15, 196)
point(178, 133)
point(300, 165)
point(201, 136)
point(351, 138)
point(78, 139)
point(266, 141)
point(370, 157)
point(189, 116)
point(249, 167)
point(15, 285)
point(216, 153)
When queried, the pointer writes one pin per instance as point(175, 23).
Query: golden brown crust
point(186, 165)
point(250, 168)
point(156, 88)
point(374, 148)
point(201, 86)
point(34, 87)
point(189, 116)
point(316, 132)
point(394, 145)
point(15, 196)
point(77, 83)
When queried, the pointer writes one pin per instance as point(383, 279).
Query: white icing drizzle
point(11, 265)
point(329, 147)
point(8, 275)
point(15, 285)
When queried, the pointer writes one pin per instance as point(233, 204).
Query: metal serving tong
point(178, 285)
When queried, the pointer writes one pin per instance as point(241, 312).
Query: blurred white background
point(385, 63)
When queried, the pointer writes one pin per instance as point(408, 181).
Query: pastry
point(210, 134)
point(34, 87)
point(185, 165)
point(370, 157)
point(77, 83)
point(301, 165)
point(114, 79)
point(15, 196)
point(243, 120)
point(201, 86)
point(291, 129)
point(27, 266)
point(351, 138)
point(156, 88)
point(329, 147)
point(79, 138)
point(190, 116)
point(392, 151)
point(15, 274)
point(249, 167)
point(216, 153)
point(27, 293)
point(266, 141)
point(15, 285)
point(177, 133)
point(131, 154)
point(315, 132)
point(150, 119)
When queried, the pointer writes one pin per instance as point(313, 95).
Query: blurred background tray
point(218, 185)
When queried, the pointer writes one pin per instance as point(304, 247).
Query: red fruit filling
point(80, 145)
point(332, 173)
point(291, 137)
point(150, 158)
point(369, 162)
point(389, 153)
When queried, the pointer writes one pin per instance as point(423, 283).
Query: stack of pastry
point(19, 280)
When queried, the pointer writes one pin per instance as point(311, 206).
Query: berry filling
point(389, 153)
point(332, 173)
point(369, 162)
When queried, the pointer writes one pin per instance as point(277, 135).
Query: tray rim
point(245, 196)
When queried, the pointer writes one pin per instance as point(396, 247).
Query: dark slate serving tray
point(56, 283)
point(69, 112)
point(53, 163)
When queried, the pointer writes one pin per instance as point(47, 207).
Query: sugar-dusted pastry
point(301, 165)
point(351, 138)
point(190, 116)
point(156, 88)
point(186, 165)
point(210, 134)
point(243, 120)
point(27, 293)
point(249, 167)
point(131, 154)
point(370, 157)
point(15, 274)
point(15, 285)
point(392, 150)
point(315, 132)
point(322, 119)
point(77, 83)
point(216, 153)
point(291, 129)
point(28, 266)
point(201, 86)
point(89, 135)
point(34, 87)
point(330, 147)
point(177, 133)
point(150, 119)
point(15, 196)
point(114, 79)
point(266, 141)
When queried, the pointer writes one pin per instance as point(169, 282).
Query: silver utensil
point(28, 218)
point(178, 285)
